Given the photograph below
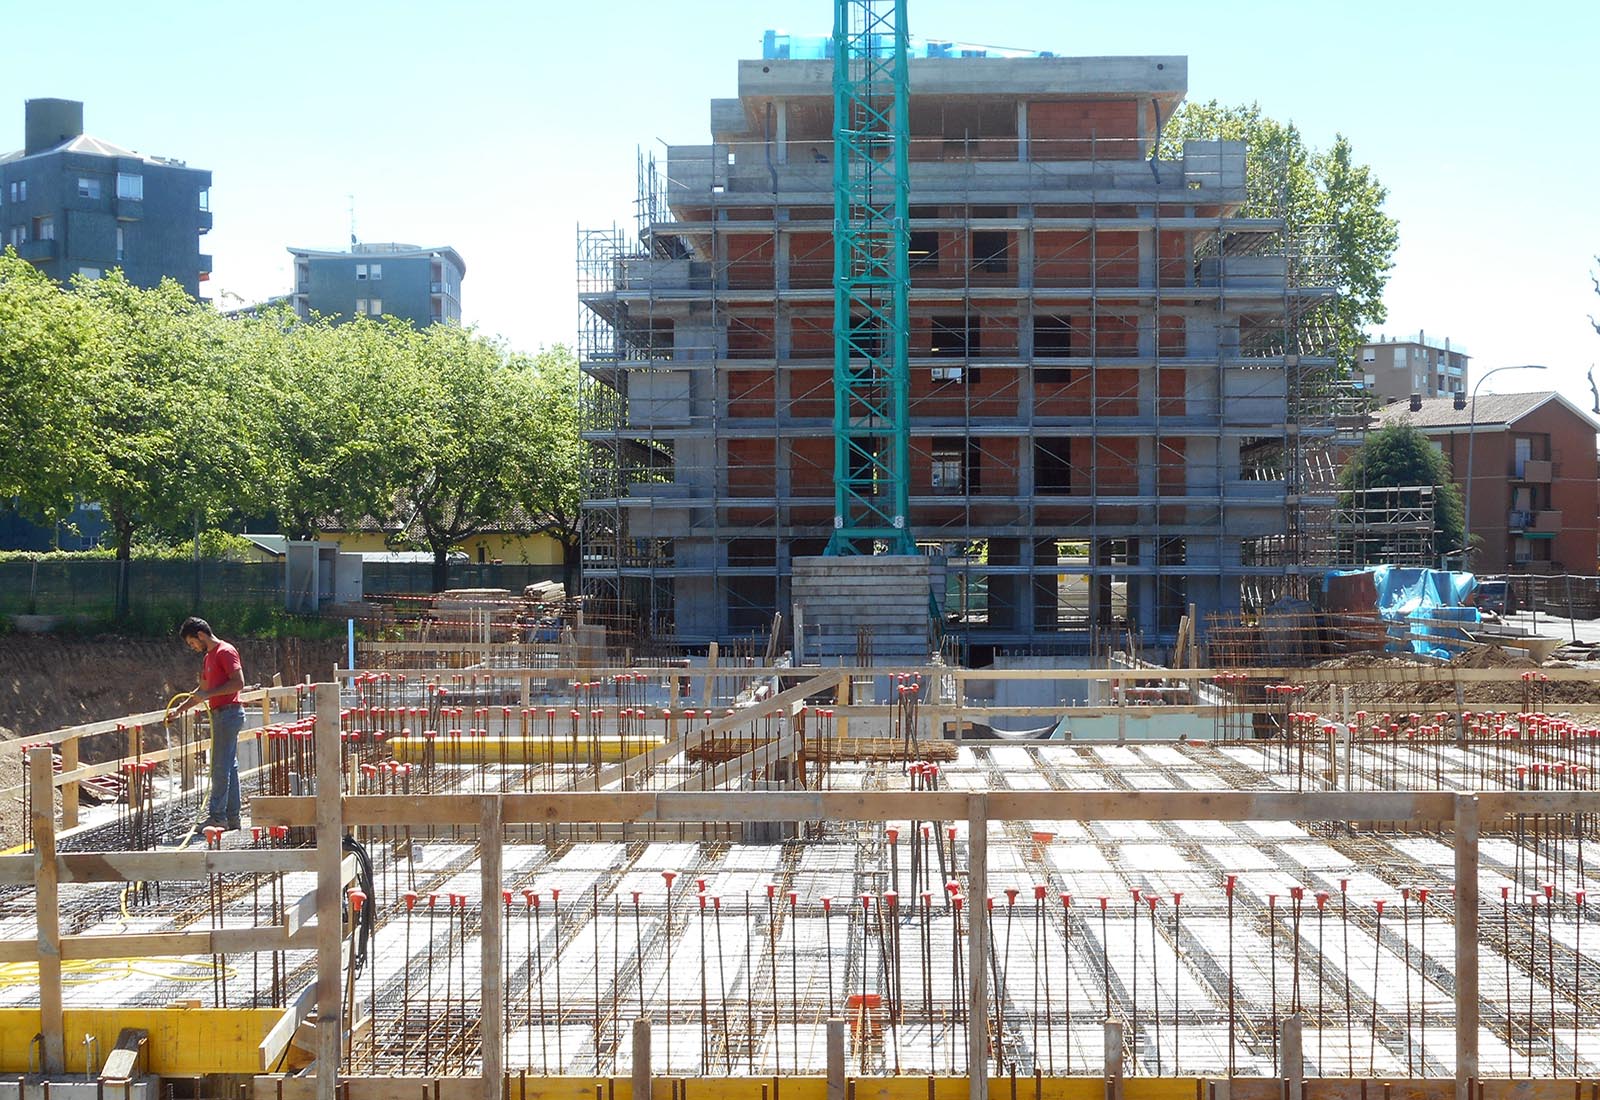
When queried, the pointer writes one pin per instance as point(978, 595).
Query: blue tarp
point(1407, 597)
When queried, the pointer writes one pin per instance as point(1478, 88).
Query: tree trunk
point(570, 555)
point(124, 557)
point(441, 568)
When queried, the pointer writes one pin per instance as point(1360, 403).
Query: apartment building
point(1396, 368)
point(1533, 474)
point(72, 204)
point(420, 285)
point(1113, 413)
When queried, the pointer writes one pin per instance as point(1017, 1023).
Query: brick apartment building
point(1534, 476)
point(1112, 411)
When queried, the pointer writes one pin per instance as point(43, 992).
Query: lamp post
point(1472, 424)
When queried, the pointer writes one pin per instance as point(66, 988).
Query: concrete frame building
point(421, 285)
point(1534, 476)
point(72, 204)
point(1394, 369)
point(1117, 407)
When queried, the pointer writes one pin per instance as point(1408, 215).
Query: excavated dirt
point(49, 683)
point(1435, 686)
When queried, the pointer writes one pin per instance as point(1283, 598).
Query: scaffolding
point(1124, 395)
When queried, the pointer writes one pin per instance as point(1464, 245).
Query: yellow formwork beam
point(522, 750)
point(183, 1041)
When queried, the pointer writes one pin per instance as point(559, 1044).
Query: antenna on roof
point(352, 199)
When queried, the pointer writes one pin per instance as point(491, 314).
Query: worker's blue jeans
point(226, 722)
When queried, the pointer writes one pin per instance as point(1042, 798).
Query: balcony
point(1547, 522)
point(128, 210)
point(1519, 520)
point(1536, 471)
point(205, 264)
point(37, 251)
point(204, 219)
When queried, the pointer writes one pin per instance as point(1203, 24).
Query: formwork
point(551, 881)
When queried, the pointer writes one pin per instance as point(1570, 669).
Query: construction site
point(978, 686)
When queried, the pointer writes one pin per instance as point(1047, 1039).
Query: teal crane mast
point(871, 273)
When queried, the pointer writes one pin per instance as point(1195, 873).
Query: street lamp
point(1472, 424)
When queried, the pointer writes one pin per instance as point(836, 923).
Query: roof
point(1493, 410)
point(380, 253)
point(99, 147)
point(518, 522)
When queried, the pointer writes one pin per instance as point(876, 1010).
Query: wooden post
point(641, 1060)
point(711, 675)
point(69, 791)
point(1113, 1059)
point(836, 1071)
point(47, 915)
point(492, 996)
point(1466, 852)
point(330, 900)
point(978, 946)
point(1294, 1064)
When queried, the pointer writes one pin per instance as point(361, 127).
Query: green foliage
point(177, 420)
point(1332, 207)
point(1398, 454)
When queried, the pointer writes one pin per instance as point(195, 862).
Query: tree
point(44, 338)
point(558, 491)
point(172, 432)
point(468, 441)
point(1399, 455)
point(1331, 205)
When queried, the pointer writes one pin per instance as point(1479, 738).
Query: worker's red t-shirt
point(221, 662)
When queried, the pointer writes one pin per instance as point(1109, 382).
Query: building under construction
point(468, 876)
point(1122, 392)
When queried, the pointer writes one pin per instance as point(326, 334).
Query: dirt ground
point(1434, 685)
point(48, 683)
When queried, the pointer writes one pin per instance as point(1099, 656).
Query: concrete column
point(836, 1071)
point(641, 1060)
point(1294, 1065)
point(978, 947)
point(1022, 130)
point(780, 112)
point(1113, 1059)
point(1466, 853)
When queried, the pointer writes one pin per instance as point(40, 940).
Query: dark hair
point(194, 625)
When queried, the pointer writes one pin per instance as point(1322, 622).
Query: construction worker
point(221, 680)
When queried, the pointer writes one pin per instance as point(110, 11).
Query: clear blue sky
point(500, 127)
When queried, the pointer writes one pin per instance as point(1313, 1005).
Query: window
point(924, 249)
point(361, 272)
point(88, 187)
point(205, 198)
point(121, 244)
point(955, 466)
point(44, 228)
point(953, 338)
point(361, 307)
point(1399, 358)
point(19, 190)
point(375, 307)
point(1052, 466)
point(374, 271)
point(130, 185)
point(1369, 355)
point(18, 235)
point(991, 251)
point(90, 273)
point(1052, 339)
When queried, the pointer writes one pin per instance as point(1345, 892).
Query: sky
point(500, 128)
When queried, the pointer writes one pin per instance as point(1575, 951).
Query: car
point(1492, 596)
